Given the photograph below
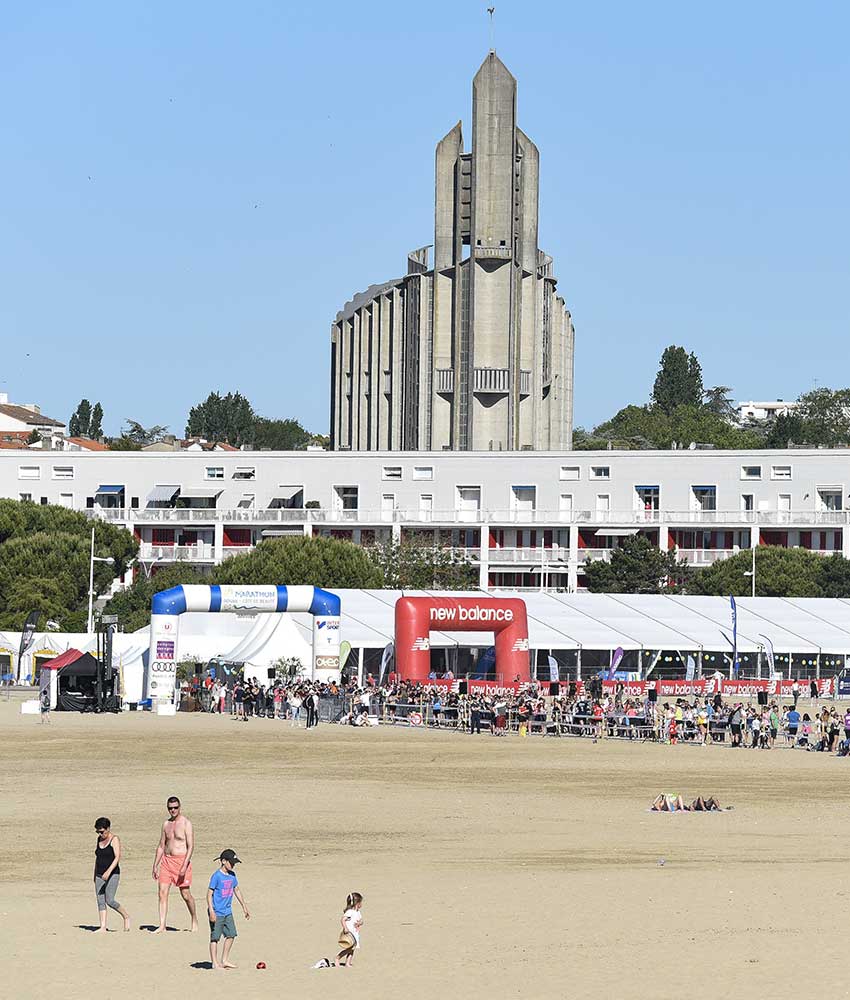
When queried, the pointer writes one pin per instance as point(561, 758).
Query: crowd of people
point(530, 710)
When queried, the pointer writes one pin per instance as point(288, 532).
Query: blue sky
point(191, 190)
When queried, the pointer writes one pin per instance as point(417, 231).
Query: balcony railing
point(202, 552)
point(704, 557)
point(556, 555)
point(445, 378)
point(585, 554)
point(413, 515)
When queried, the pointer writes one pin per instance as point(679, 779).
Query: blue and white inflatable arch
point(167, 606)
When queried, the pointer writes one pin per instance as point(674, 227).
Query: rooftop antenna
point(491, 11)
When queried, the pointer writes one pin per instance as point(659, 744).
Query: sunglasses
point(172, 809)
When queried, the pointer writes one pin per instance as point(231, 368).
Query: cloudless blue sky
point(190, 191)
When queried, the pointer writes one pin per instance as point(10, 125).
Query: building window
point(134, 503)
point(347, 497)
point(523, 499)
point(829, 498)
point(426, 506)
point(704, 498)
point(214, 472)
point(421, 473)
point(600, 472)
point(750, 472)
point(63, 471)
point(244, 472)
point(26, 496)
point(747, 502)
point(67, 500)
point(648, 498)
point(29, 472)
point(391, 472)
point(780, 472)
point(246, 502)
point(570, 472)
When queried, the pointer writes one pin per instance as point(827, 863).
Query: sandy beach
point(489, 867)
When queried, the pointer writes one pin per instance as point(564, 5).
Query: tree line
point(682, 410)
point(228, 418)
point(638, 566)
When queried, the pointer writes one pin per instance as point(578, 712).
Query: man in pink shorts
point(172, 864)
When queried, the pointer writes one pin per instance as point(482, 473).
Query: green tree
point(80, 422)
point(44, 562)
point(322, 562)
point(418, 565)
point(135, 436)
point(825, 414)
point(227, 418)
point(278, 435)
point(780, 572)
point(679, 380)
point(718, 401)
point(133, 605)
point(637, 567)
point(34, 436)
point(787, 429)
point(96, 424)
point(834, 576)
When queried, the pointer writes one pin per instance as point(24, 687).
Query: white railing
point(499, 515)
point(176, 553)
point(491, 380)
point(557, 555)
point(585, 554)
point(445, 379)
point(704, 557)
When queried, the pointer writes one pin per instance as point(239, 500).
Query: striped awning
point(199, 493)
point(163, 494)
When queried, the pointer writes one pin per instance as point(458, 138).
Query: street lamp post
point(92, 560)
point(752, 573)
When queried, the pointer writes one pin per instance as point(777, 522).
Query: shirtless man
point(172, 864)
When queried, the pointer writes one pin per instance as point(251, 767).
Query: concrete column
point(572, 565)
point(663, 536)
point(218, 542)
point(755, 536)
point(484, 557)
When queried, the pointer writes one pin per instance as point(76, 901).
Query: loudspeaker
point(573, 688)
point(554, 689)
point(762, 697)
point(271, 673)
point(463, 687)
point(652, 694)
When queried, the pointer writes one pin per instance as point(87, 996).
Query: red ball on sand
point(261, 965)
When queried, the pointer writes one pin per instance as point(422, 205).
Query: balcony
point(445, 379)
point(496, 516)
point(584, 555)
point(200, 553)
point(557, 555)
point(492, 380)
point(705, 557)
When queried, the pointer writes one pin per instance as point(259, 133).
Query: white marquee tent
point(816, 632)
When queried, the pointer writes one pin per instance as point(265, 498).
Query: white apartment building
point(527, 520)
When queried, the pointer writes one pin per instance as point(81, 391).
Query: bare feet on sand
point(228, 965)
point(159, 930)
point(100, 930)
point(194, 926)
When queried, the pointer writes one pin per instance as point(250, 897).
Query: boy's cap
point(229, 855)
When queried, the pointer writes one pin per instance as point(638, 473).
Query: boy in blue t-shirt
point(223, 887)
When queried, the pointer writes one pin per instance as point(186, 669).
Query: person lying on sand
point(675, 803)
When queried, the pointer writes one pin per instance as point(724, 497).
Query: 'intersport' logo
point(330, 626)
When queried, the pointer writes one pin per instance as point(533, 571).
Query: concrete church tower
point(475, 353)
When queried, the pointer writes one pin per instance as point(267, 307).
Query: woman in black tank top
point(107, 872)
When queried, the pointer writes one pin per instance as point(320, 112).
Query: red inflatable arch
point(416, 616)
